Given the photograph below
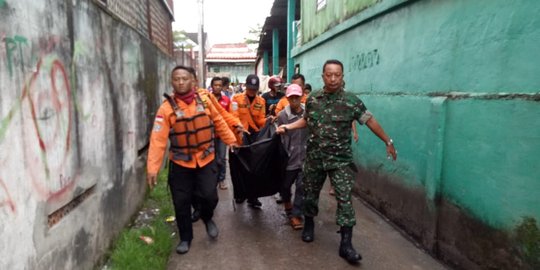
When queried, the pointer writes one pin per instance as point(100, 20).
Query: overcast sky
point(225, 21)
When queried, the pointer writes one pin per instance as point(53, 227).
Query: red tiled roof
point(233, 52)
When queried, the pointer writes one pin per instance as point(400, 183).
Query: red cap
point(274, 82)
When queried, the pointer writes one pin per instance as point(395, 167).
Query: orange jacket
point(232, 121)
point(251, 115)
point(283, 102)
point(163, 122)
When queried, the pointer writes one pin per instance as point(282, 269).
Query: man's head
point(252, 85)
point(294, 95)
point(299, 79)
point(332, 75)
point(217, 85)
point(307, 89)
point(183, 79)
point(275, 83)
point(226, 82)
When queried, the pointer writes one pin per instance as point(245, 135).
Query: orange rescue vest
point(190, 134)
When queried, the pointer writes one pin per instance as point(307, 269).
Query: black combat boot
point(308, 234)
point(346, 250)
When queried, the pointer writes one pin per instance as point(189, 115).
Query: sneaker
point(183, 247)
point(255, 203)
point(296, 223)
point(211, 229)
point(223, 185)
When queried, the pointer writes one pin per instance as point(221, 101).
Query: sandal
point(223, 185)
point(296, 223)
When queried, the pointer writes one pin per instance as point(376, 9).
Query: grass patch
point(130, 252)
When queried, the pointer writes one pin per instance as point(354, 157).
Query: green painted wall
point(316, 22)
point(439, 76)
point(492, 157)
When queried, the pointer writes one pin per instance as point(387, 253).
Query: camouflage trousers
point(341, 178)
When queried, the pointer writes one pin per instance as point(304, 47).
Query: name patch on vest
point(257, 106)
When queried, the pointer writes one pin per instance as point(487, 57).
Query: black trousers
point(185, 183)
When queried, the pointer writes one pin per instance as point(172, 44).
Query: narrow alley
point(263, 239)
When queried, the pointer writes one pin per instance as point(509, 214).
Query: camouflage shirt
point(329, 119)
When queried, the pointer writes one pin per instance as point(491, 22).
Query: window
point(321, 4)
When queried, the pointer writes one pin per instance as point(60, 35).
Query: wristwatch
point(389, 142)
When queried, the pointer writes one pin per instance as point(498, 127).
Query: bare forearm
point(376, 128)
point(301, 123)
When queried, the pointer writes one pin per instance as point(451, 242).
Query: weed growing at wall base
point(528, 237)
point(130, 251)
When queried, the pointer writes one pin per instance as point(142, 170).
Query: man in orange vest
point(250, 109)
point(188, 120)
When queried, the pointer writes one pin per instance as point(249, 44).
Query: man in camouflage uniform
point(329, 115)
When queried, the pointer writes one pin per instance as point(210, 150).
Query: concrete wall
point(78, 90)
point(455, 83)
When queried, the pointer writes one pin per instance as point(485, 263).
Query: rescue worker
point(273, 96)
point(250, 109)
point(189, 120)
point(300, 80)
point(329, 115)
point(234, 124)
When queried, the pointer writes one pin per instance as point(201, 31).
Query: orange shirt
point(231, 120)
point(251, 115)
point(284, 102)
point(165, 117)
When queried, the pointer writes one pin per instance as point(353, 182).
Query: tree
point(254, 35)
point(180, 39)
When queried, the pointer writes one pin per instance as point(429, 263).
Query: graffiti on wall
point(48, 106)
point(45, 109)
point(364, 60)
point(13, 46)
point(5, 197)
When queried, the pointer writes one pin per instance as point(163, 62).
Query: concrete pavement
point(263, 239)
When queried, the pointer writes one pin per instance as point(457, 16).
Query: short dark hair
point(226, 80)
point(298, 76)
point(308, 86)
point(215, 79)
point(332, 61)
point(188, 69)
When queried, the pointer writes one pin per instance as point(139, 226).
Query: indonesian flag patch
point(159, 118)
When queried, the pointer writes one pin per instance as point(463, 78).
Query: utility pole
point(202, 75)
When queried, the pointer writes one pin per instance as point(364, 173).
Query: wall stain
point(445, 230)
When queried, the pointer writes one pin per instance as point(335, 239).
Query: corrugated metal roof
point(230, 52)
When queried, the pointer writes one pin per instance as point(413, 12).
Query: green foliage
point(180, 37)
point(254, 35)
point(528, 237)
point(130, 252)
